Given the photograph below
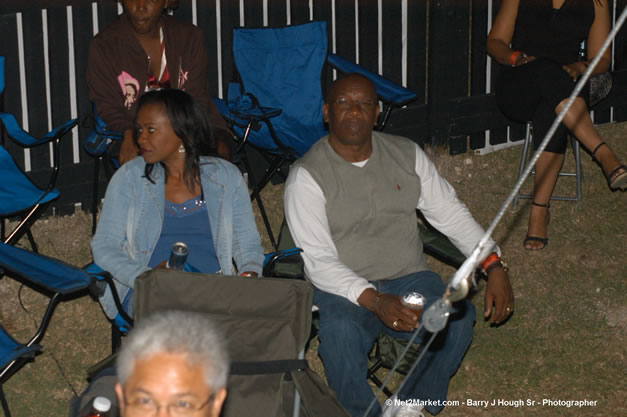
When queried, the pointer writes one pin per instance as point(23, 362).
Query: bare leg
point(578, 121)
point(548, 167)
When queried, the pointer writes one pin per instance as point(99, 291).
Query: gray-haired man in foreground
point(173, 363)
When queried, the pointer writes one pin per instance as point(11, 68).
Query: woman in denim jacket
point(172, 194)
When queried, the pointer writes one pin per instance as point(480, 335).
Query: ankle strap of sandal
point(547, 205)
point(596, 148)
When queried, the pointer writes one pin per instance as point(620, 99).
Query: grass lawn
point(566, 341)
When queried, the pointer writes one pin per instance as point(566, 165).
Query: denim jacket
point(132, 217)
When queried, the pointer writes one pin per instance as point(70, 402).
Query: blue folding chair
point(48, 276)
point(19, 196)
point(97, 144)
point(277, 106)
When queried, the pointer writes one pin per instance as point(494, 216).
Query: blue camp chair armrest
point(224, 110)
point(102, 280)
point(268, 257)
point(388, 91)
point(41, 271)
point(264, 113)
point(102, 129)
point(230, 118)
point(273, 257)
point(247, 107)
point(109, 133)
point(51, 274)
point(244, 119)
point(97, 141)
point(23, 138)
point(100, 137)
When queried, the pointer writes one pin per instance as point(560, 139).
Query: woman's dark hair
point(190, 123)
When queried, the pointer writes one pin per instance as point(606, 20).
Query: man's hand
point(129, 149)
point(499, 296)
point(394, 314)
point(389, 310)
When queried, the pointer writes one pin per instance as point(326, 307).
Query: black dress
point(530, 92)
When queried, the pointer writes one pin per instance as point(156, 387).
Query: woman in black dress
point(540, 70)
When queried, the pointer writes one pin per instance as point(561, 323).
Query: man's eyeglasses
point(146, 406)
point(346, 104)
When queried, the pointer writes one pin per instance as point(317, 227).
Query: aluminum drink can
point(415, 302)
point(178, 256)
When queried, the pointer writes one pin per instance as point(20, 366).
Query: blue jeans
point(348, 332)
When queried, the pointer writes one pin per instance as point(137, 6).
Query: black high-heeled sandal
point(616, 180)
point(543, 240)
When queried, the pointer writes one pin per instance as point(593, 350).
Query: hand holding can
point(415, 302)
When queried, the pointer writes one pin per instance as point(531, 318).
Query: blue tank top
point(187, 222)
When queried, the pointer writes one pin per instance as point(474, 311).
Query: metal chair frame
point(600, 86)
point(32, 269)
point(578, 173)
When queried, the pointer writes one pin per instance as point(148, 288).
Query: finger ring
point(395, 324)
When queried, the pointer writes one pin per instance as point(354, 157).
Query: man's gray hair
point(192, 334)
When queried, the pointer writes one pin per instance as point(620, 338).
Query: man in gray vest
point(350, 203)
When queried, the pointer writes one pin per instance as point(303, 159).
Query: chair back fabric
point(17, 192)
point(266, 321)
point(388, 91)
point(10, 350)
point(52, 274)
point(282, 68)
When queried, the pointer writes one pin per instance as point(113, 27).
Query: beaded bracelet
point(513, 56)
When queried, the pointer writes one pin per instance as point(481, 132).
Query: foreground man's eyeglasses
point(146, 406)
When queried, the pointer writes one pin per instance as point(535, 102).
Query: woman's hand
point(162, 265)
point(575, 69)
point(523, 59)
